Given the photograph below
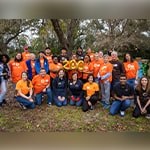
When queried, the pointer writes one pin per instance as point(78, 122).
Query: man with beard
point(63, 56)
point(48, 55)
point(80, 54)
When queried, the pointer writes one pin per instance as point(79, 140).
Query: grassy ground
point(47, 119)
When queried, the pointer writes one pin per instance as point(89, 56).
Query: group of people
point(103, 78)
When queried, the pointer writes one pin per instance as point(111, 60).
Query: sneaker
point(49, 104)
point(23, 107)
point(102, 102)
point(147, 116)
point(91, 107)
point(4, 101)
point(122, 113)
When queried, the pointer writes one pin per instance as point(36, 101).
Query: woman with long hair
point(4, 76)
point(75, 87)
point(91, 93)
point(142, 98)
point(131, 69)
point(24, 92)
point(60, 85)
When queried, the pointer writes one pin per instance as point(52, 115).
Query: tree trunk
point(3, 48)
point(63, 41)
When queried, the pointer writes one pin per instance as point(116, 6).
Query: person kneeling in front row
point(60, 85)
point(142, 96)
point(24, 92)
point(122, 93)
point(75, 87)
point(41, 86)
point(91, 93)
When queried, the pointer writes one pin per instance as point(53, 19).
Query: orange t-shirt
point(104, 69)
point(96, 67)
point(88, 67)
point(26, 56)
point(131, 69)
point(33, 68)
point(92, 56)
point(54, 67)
point(49, 58)
point(90, 88)
point(16, 69)
point(79, 74)
point(22, 85)
point(40, 83)
point(42, 62)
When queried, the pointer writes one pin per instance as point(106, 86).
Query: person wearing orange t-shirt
point(41, 86)
point(48, 55)
point(54, 67)
point(24, 92)
point(17, 66)
point(105, 75)
point(87, 69)
point(96, 66)
point(90, 53)
point(91, 93)
point(26, 54)
point(131, 69)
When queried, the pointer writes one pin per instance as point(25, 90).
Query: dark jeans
point(25, 102)
point(38, 97)
point(137, 111)
point(131, 82)
point(93, 100)
point(60, 103)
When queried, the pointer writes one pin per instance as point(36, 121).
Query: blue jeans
point(131, 82)
point(77, 103)
point(60, 103)
point(113, 83)
point(3, 89)
point(118, 106)
point(105, 90)
point(25, 102)
point(97, 80)
point(38, 97)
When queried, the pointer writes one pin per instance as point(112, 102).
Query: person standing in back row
point(4, 76)
point(105, 76)
point(118, 68)
point(41, 62)
point(131, 69)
